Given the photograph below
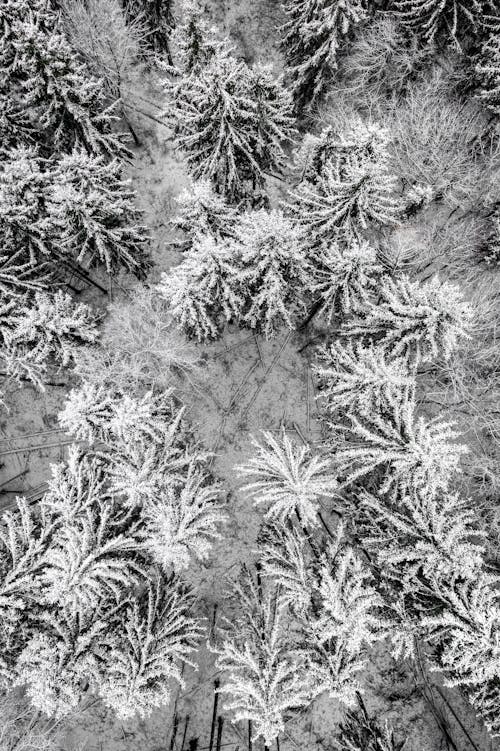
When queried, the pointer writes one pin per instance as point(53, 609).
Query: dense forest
point(250, 375)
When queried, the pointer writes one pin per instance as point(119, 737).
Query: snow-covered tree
point(202, 211)
point(360, 732)
point(61, 658)
point(93, 207)
point(415, 320)
point(345, 622)
point(262, 678)
point(24, 538)
point(435, 536)
point(284, 559)
point(204, 290)
point(183, 522)
point(154, 637)
point(274, 120)
point(25, 224)
point(50, 328)
point(18, 277)
point(275, 270)
point(311, 39)
point(195, 42)
point(230, 120)
point(345, 277)
point(354, 190)
point(361, 379)
point(288, 478)
point(449, 20)
point(488, 72)
point(63, 103)
point(44, 330)
point(95, 413)
point(414, 454)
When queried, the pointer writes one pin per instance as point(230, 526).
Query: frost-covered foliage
point(345, 277)
point(360, 732)
point(157, 20)
point(354, 187)
point(417, 321)
point(334, 606)
point(311, 39)
point(488, 72)
point(202, 211)
point(81, 602)
point(194, 40)
point(274, 270)
point(231, 122)
point(414, 454)
point(204, 290)
point(43, 330)
point(360, 379)
point(288, 478)
point(93, 207)
point(46, 87)
point(447, 20)
point(154, 637)
point(183, 522)
point(77, 208)
point(263, 678)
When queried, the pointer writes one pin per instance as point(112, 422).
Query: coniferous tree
point(417, 321)
point(264, 681)
point(159, 22)
point(61, 103)
point(153, 639)
point(450, 20)
point(287, 478)
point(204, 292)
point(93, 207)
point(354, 189)
point(488, 72)
point(274, 270)
point(360, 732)
point(203, 212)
point(311, 39)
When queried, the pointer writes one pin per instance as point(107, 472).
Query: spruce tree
point(203, 212)
point(274, 270)
point(311, 39)
point(448, 20)
point(205, 290)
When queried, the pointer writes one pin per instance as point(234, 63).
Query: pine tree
point(488, 72)
point(64, 104)
point(263, 680)
point(345, 278)
point(311, 40)
point(204, 291)
point(287, 478)
point(275, 270)
point(195, 41)
point(183, 522)
point(154, 637)
point(361, 379)
point(451, 20)
point(203, 212)
point(93, 208)
point(417, 321)
point(355, 188)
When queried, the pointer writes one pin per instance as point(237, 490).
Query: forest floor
point(247, 385)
